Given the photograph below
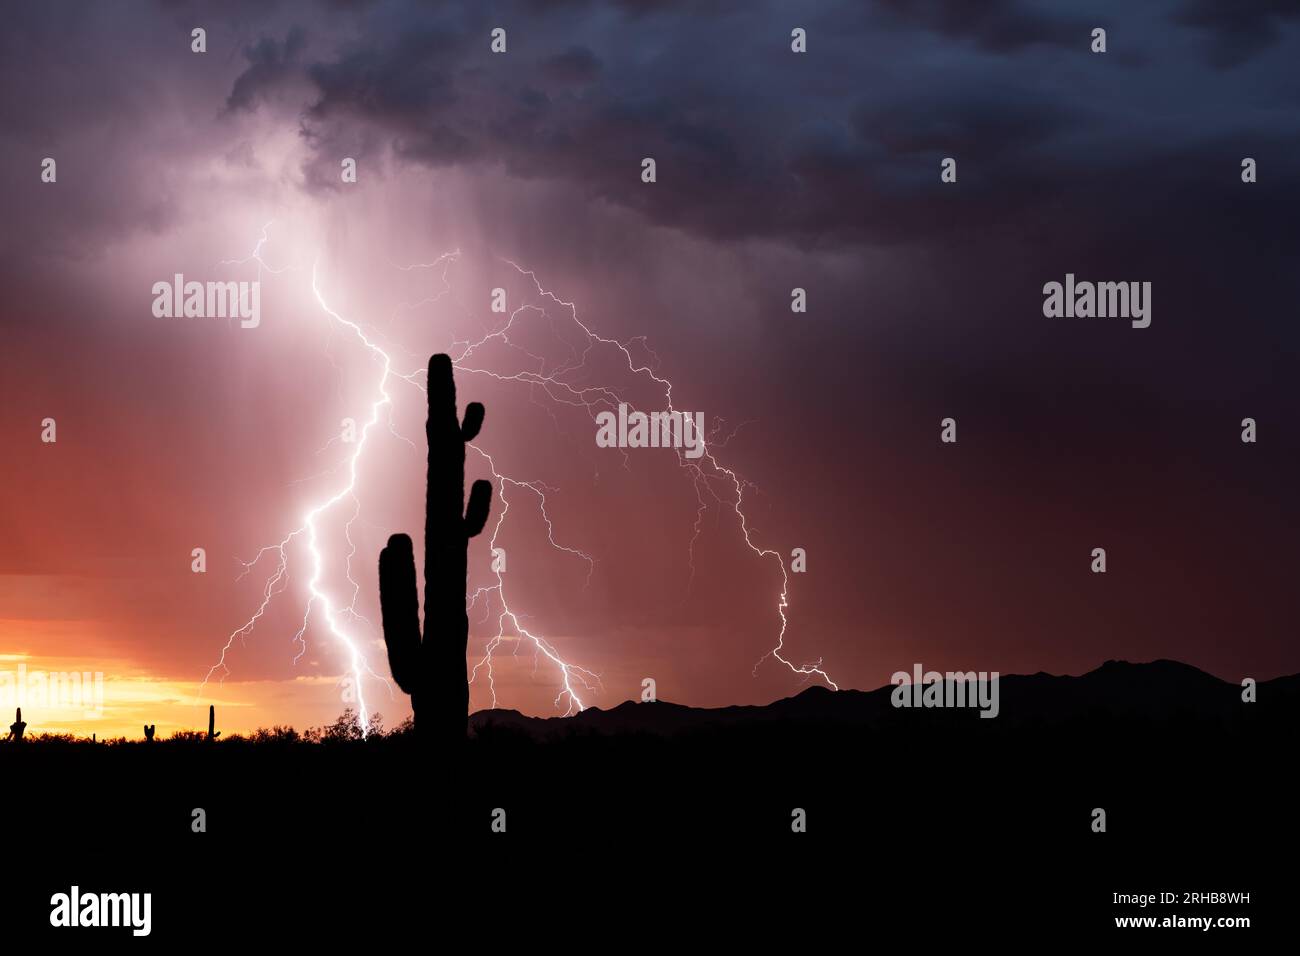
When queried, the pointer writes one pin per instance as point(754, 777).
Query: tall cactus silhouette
point(148, 732)
point(17, 727)
point(432, 670)
point(212, 722)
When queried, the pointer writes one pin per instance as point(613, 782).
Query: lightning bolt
point(570, 674)
point(309, 530)
point(557, 386)
point(594, 398)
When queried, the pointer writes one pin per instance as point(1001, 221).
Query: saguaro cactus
point(148, 732)
point(212, 719)
point(432, 670)
point(17, 727)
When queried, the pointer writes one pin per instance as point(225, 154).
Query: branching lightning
point(593, 398)
point(574, 681)
point(309, 530)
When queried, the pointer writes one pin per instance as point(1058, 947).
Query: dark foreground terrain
point(933, 819)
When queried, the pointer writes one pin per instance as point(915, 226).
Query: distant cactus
point(212, 717)
point(17, 727)
point(148, 732)
point(432, 670)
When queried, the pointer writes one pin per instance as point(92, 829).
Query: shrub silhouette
point(56, 739)
point(432, 670)
point(275, 735)
point(345, 729)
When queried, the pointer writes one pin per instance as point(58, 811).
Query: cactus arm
point(399, 606)
point(480, 503)
point(469, 429)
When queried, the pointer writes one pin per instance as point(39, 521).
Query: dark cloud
point(993, 122)
point(404, 86)
point(837, 146)
point(1236, 32)
point(842, 144)
point(575, 67)
point(1002, 26)
point(271, 64)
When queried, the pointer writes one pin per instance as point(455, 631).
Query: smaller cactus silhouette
point(212, 718)
point(148, 732)
point(17, 727)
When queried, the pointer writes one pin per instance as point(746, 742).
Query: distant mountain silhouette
point(1117, 691)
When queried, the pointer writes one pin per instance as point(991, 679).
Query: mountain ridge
point(1148, 690)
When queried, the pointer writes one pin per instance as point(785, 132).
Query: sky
point(522, 171)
